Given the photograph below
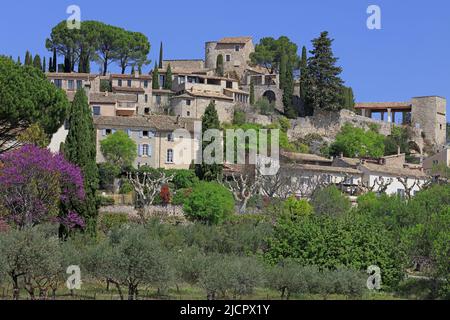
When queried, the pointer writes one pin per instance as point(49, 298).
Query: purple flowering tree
point(33, 185)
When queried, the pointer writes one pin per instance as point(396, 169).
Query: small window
point(145, 150)
point(188, 113)
point(440, 126)
point(170, 156)
point(170, 137)
point(147, 110)
point(229, 85)
point(146, 98)
point(58, 83)
point(145, 84)
point(188, 102)
point(96, 110)
point(161, 79)
point(120, 83)
point(181, 79)
point(145, 134)
point(71, 85)
point(228, 58)
point(129, 83)
point(108, 132)
point(237, 48)
point(79, 84)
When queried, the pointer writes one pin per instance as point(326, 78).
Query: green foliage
point(27, 98)
point(183, 179)
point(80, 149)
point(107, 173)
point(252, 93)
point(209, 203)
point(155, 78)
point(125, 187)
point(347, 98)
point(210, 120)
point(398, 140)
point(265, 107)
point(112, 221)
point(239, 117)
point(219, 66)
point(269, 52)
point(168, 80)
point(34, 135)
point(303, 71)
point(322, 84)
point(354, 142)
point(330, 201)
point(105, 85)
point(37, 63)
point(161, 57)
point(293, 206)
point(119, 149)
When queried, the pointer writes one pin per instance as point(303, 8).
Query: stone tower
point(429, 114)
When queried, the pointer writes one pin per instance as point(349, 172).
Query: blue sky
point(409, 56)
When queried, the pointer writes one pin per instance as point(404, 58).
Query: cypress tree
point(67, 64)
point(132, 70)
point(18, 60)
point(288, 90)
point(28, 59)
point(168, 78)
point(50, 65)
point(80, 149)
point(55, 61)
point(161, 57)
point(283, 68)
point(37, 62)
point(219, 66)
point(210, 120)
point(303, 67)
point(155, 78)
point(44, 65)
point(323, 84)
point(252, 93)
point(140, 69)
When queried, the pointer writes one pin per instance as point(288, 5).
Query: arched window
point(170, 156)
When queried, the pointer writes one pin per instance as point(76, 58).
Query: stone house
point(436, 161)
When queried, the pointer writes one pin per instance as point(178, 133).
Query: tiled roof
point(70, 75)
point(209, 94)
point(237, 91)
point(128, 89)
point(393, 171)
point(235, 40)
point(304, 157)
point(111, 98)
point(131, 76)
point(323, 169)
point(161, 123)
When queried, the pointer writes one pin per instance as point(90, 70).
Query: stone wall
point(329, 124)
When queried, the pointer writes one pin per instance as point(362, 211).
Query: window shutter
point(150, 151)
point(104, 132)
point(141, 135)
point(139, 150)
point(129, 132)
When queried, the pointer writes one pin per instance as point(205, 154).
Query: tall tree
point(18, 61)
point(168, 79)
point(108, 44)
point(80, 149)
point(323, 84)
point(132, 49)
point(55, 61)
point(63, 41)
point(27, 97)
point(161, 56)
point(86, 44)
point(50, 65)
point(303, 70)
point(252, 93)
point(347, 98)
point(155, 78)
point(269, 51)
point(37, 62)
point(44, 65)
point(219, 66)
point(210, 120)
point(28, 59)
point(288, 88)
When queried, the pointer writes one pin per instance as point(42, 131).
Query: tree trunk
point(16, 290)
point(105, 66)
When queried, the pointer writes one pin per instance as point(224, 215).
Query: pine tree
point(210, 120)
point(37, 62)
point(219, 66)
point(323, 85)
point(155, 78)
point(168, 79)
point(252, 93)
point(44, 65)
point(80, 149)
point(161, 57)
point(303, 69)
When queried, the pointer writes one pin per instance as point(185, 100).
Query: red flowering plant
point(165, 195)
point(34, 183)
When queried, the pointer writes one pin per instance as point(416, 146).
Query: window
point(170, 156)
point(129, 83)
point(188, 102)
point(146, 98)
point(188, 113)
point(158, 100)
point(120, 83)
point(145, 150)
point(440, 126)
point(58, 83)
point(181, 79)
point(435, 162)
point(145, 134)
point(145, 84)
point(161, 80)
point(108, 132)
point(228, 58)
point(170, 137)
point(79, 84)
point(147, 110)
point(229, 85)
point(71, 85)
point(237, 48)
point(96, 110)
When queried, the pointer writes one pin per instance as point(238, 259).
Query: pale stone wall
point(238, 59)
point(441, 158)
point(225, 108)
point(260, 90)
point(329, 124)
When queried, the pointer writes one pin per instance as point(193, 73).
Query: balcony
point(126, 109)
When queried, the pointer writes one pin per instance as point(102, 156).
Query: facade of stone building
point(435, 164)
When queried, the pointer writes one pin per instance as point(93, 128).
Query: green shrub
point(126, 187)
point(110, 221)
point(330, 201)
point(209, 203)
point(107, 173)
point(105, 201)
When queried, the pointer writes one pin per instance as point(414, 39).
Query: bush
point(105, 85)
point(239, 117)
point(330, 201)
point(104, 201)
point(110, 221)
point(107, 173)
point(183, 179)
point(265, 107)
point(209, 203)
point(126, 187)
point(293, 206)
